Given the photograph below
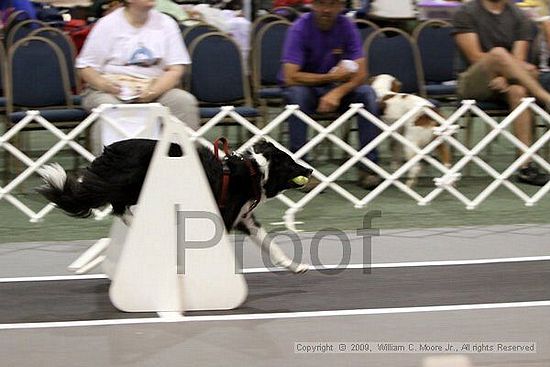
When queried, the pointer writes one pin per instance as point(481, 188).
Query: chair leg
point(264, 112)
point(82, 140)
point(490, 146)
point(282, 131)
point(225, 130)
point(545, 150)
point(330, 151)
point(240, 140)
point(346, 131)
point(15, 166)
point(6, 158)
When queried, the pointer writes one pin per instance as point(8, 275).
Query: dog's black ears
point(263, 147)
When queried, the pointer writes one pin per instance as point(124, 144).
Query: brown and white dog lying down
point(419, 130)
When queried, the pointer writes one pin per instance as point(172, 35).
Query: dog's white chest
point(419, 135)
point(399, 104)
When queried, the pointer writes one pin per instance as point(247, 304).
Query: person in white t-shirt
point(136, 54)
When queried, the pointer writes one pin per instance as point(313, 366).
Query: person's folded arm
point(97, 81)
point(331, 100)
point(520, 50)
point(358, 78)
point(294, 76)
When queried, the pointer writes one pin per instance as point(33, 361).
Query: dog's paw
point(411, 182)
point(298, 268)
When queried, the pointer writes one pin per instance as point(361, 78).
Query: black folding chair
point(43, 86)
point(437, 53)
point(392, 51)
point(266, 64)
point(217, 77)
point(21, 30)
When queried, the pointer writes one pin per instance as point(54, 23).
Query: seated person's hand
point(499, 84)
point(529, 67)
point(344, 70)
point(341, 74)
point(329, 102)
point(147, 96)
point(110, 87)
point(532, 69)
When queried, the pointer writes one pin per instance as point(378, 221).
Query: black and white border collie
point(116, 178)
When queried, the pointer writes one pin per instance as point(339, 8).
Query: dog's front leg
point(260, 237)
point(414, 172)
point(128, 217)
point(444, 154)
point(396, 149)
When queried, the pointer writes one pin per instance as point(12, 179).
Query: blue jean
point(308, 98)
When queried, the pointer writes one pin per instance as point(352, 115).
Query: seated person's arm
point(520, 50)
point(95, 80)
point(330, 101)
point(469, 45)
point(168, 80)
point(356, 79)
point(294, 76)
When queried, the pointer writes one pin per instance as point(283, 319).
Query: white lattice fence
point(444, 133)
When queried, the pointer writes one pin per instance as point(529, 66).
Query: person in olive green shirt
point(171, 8)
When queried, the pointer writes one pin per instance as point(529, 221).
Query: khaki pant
point(474, 84)
point(182, 105)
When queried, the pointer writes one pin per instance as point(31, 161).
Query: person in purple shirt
point(9, 6)
point(323, 70)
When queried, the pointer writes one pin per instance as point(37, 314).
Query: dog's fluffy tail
point(68, 192)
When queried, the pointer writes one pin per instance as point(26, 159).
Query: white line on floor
point(274, 316)
point(409, 264)
point(53, 278)
point(312, 267)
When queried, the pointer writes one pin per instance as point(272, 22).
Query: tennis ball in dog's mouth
point(300, 180)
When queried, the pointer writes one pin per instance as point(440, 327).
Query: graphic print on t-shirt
point(143, 57)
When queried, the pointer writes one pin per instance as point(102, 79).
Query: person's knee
point(179, 102)
point(183, 105)
point(499, 57)
point(92, 99)
point(498, 52)
point(175, 98)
